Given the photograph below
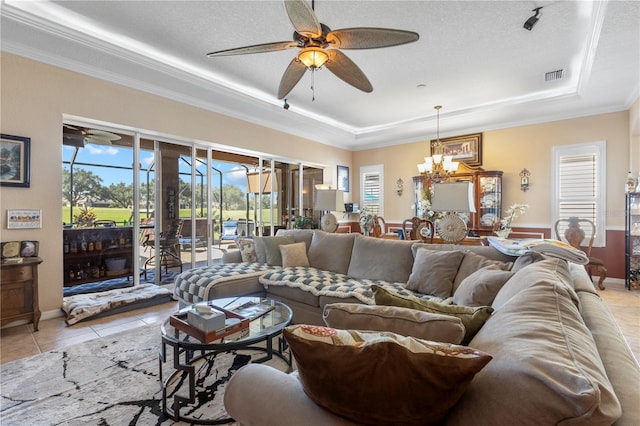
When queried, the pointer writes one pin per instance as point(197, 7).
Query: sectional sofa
point(557, 356)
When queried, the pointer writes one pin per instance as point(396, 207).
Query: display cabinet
point(632, 240)
point(487, 197)
point(97, 254)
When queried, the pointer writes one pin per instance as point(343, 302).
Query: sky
point(123, 157)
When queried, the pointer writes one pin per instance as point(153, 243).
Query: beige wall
point(34, 98)
point(511, 150)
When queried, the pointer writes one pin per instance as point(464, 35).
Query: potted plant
point(303, 222)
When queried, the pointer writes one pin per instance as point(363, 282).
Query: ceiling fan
point(319, 46)
point(75, 136)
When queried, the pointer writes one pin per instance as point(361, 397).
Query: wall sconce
point(524, 180)
point(399, 187)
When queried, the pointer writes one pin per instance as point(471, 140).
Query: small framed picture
point(343, 178)
point(29, 248)
point(14, 160)
point(24, 219)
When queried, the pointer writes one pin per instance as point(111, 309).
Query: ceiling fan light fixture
point(313, 57)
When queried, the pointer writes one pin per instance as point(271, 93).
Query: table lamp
point(451, 198)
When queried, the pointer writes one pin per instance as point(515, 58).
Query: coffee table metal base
point(192, 366)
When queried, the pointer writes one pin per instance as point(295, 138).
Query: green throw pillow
point(472, 317)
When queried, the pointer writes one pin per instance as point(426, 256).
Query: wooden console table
point(19, 291)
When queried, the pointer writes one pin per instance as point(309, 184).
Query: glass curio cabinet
point(487, 197)
point(632, 240)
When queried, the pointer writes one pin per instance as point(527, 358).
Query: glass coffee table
point(193, 391)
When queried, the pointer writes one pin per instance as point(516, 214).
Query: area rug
point(108, 381)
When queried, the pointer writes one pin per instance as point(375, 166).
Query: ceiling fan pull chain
point(313, 84)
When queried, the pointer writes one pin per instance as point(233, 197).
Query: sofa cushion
point(403, 321)
point(484, 251)
point(527, 259)
point(381, 259)
point(299, 235)
point(472, 317)
point(471, 262)
point(481, 287)
point(551, 269)
point(399, 380)
point(434, 271)
point(546, 367)
point(331, 252)
point(268, 249)
point(247, 249)
point(294, 254)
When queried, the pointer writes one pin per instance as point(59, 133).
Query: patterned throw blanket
point(194, 285)
point(325, 283)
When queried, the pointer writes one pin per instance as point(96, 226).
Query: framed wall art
point(343, 178)
point(14, 160)
point(467, 148)
point(24, 219)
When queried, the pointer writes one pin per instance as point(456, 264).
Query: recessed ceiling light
point(421, 85)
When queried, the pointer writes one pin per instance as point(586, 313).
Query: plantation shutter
point(579, 186)
point(371, 189)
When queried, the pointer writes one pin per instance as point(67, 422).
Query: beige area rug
point(112, 380)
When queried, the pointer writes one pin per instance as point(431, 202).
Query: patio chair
point(169, 248)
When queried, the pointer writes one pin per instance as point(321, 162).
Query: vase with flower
point(366, 220)
point(512, 212)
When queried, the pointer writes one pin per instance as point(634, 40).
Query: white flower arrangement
point(366, 218)
point(512, 212)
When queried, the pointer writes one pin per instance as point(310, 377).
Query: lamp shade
point(253, 183)
point(329, 200)
point(453, 197)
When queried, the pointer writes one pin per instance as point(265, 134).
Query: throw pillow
point(403, 321)
point(471, 262)
point(472, 317)
point(294, 254)
point(481, 287)
point(331, 252)
point(247, 249)
point(272, 248)
point(381, 259)
point(433, 272)
point(399, 380)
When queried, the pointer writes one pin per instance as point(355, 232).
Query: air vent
point(554, 75)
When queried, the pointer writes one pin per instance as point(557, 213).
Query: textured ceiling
point(473, 57)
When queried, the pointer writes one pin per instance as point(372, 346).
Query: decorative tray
point(179, 321)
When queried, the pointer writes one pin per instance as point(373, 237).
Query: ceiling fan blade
point(369, 38)
point(101, 134)
point(291, 77)
point(256, 48)
point(345, 69)
point(303, 18)
point(97, 140)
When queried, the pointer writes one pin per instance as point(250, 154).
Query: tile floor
point(20, 341)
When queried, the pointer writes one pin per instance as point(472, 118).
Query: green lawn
point(122, 216)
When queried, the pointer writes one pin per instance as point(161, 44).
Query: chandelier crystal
point(438, 167)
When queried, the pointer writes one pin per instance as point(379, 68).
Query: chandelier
point(438, 167)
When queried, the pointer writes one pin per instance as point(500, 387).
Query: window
point(578, 187)
point(372, 188)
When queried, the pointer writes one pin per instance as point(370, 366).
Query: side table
point(19, 291)
point(195, 379)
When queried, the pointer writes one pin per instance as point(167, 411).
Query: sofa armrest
point(232, 257)
point(261, 395)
